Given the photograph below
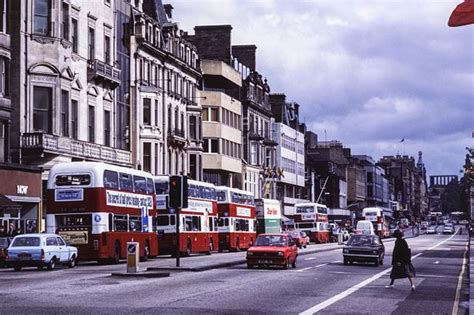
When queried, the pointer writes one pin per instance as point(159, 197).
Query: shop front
point(20, 199)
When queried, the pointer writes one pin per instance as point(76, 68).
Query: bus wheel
point(188, 248)
point(116, 258)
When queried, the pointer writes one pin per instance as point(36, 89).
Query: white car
point(448, 229)
point(431, 230)
point(40, 250)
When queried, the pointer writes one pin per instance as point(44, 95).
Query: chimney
point(213, 42)
point(246, 54)
point(169, 10)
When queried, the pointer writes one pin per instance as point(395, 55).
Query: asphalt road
point(320, 283)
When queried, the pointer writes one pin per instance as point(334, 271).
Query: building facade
point(5, 98)
point(164, 76)
point(289, 133)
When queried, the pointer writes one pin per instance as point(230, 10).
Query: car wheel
point(293, 265)
point(346, 261)
point(305, 245)
point(72, 262)
point(17, 268)
point(249, 266)
point(285, 265)
point(381, 261)
point(40, 267)
point(52, 264)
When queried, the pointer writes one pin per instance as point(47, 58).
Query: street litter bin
point(133, 256)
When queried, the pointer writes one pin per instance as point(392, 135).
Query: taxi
point(273, 250)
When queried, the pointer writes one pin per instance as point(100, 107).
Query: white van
point(365, 227)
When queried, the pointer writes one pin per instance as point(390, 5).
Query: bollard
point(339, 238)
point(133, 257)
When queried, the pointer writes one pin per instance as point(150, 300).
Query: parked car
point(463, 222)
point(365, 248)
point(424, 225)
point(40, 250)
point(4, 243)
point(448, 229)
point(273, 250)
point(300, 238)
point(431, 230)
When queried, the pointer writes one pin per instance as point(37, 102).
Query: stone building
point(221, 108)
point(166, 133)
point(5, 98)
point(65, 75)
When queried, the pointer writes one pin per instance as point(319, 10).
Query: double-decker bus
point(236, 209)
point(268, 214)
point(379, 220)
point(99, 208)
point(198, 222)
point(313, 219)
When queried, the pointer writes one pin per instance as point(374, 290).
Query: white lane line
point(436, 262)
point(343, 294)
point(442, 242)
point(336, 261)
point(458, 289)
point(321, 265)
point(310, 258)
point(300, 270)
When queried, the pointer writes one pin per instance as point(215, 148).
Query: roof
point(7, 203)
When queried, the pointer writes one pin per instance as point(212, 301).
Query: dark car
point(273, 250)
point(4, 243)
point(364, 248)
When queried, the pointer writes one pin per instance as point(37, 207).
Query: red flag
point(463, 14)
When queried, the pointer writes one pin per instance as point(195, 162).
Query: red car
point(273, 250)
point(300, 237)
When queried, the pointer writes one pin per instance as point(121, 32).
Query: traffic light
point(178, 197)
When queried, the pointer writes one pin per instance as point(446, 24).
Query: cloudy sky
point(366, 73)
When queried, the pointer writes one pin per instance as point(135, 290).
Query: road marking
point(336, 262)
point(434, 276)
point(442, 242)
point(341, 272)
point(436, 262)
point(343, 294)
point(310, 258)
point(321, 265)
point(300, 270)
point(458, 289)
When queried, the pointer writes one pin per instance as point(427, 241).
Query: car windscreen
point(361, 240)
point(26, 241)
point(271, 240)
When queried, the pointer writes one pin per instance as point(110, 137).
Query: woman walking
point(401, 261)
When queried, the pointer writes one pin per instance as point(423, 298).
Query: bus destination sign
point(128, 200)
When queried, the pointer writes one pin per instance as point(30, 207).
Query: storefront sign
point(243, 212)
point(68, 195)
point(128, 200)
point(22, 190)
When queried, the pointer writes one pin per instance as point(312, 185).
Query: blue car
point(40, 250)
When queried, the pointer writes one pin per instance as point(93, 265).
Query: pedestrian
point(401, 262)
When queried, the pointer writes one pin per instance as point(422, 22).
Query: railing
point(100, 69)
point(76, 148)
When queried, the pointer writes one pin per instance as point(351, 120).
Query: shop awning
point(7, 203)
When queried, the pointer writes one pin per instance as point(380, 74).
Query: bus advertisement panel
point(236, 218)
point(268, 214)
point(198, 222)
point(99, 208)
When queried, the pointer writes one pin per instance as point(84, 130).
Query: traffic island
point(199, 268)
point(154, 274)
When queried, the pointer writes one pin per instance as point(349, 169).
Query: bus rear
point(198, 222)
point(313, 219)
point(377, 217)
point(236, 210)
point(99, 208)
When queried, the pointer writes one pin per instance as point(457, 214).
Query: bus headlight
point(281, 254)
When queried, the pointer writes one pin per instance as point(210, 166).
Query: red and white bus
point(198, 226)
point(379, 220)
point(99, 208)
point(313, 219)
point(236, 210)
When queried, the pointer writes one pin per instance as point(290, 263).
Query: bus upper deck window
point(73, 180)
point(110, 179)
point(126, 183)
point(150, 188)
point(139, 184)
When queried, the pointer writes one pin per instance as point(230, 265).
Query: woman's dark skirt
point(402, 270)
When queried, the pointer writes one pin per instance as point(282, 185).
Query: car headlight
point(345, 250)
point(375, 252)
point(249, 253)
point(281, 254)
